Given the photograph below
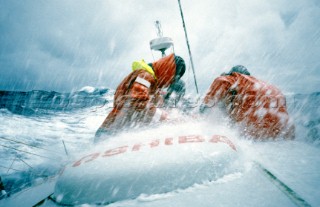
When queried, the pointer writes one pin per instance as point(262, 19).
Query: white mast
point(160, 43)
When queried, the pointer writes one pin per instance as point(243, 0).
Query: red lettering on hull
point(156, 143)
point(168, 141)
point(219, 138)
point(91, 157)
point(136, 147)
point(190, 139)
point(115, 151)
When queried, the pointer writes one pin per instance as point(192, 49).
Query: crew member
point(137, 99)
point(258, 108)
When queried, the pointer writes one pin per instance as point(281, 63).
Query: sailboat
point(188, 168)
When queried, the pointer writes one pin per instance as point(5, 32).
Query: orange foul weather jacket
point(137, 98)
point(259, 108)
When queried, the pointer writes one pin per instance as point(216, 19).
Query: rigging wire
point(25, 162)
point(29, 152)
point(65, 148)
point(24, 187)
point(23, 143)
point(14, 159)
point(19, 170)
point(11, 165)
point(189, 50)
point(290, 193)
point(11, 168)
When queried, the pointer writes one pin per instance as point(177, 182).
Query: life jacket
point(260, 107)
point(161, 74)
point(162, 70)
point(123, 90)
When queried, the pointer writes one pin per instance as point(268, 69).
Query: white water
point(296, 163)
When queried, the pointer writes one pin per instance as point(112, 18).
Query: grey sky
point(63, 45)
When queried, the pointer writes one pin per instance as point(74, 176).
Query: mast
point(189, 50)
point(160, 43)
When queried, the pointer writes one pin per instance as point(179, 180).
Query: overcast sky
point(63, 45)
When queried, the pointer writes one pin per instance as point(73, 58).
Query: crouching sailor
point(258, 108)
point(137, 99)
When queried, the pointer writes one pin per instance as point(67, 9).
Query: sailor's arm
point(140, 91)
point(217, 91)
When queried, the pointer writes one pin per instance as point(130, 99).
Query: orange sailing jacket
point(137, 97)
point(258, 107)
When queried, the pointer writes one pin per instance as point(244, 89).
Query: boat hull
point(152, 167)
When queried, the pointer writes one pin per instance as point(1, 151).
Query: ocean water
point(41, 131)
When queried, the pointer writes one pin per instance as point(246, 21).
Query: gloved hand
point(202, 108)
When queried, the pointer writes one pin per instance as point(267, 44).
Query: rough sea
point(41, 131)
